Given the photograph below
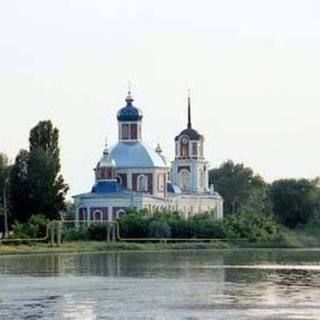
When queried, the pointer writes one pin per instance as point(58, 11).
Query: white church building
point(132, 175)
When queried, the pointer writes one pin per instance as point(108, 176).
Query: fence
point(54, 234)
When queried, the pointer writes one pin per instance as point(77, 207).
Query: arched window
point(142, 183)
point(125, 131)
point(119, 179)
point(184, 147)
point(119, 213)
point(97, 215)
point(133, 131)
point(184, 180)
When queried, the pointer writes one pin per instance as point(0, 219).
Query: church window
point(119, 179)
point(97, 215)
point(133, 131)
point(142, 183)
point(184, 180)
point(201, 148)
point(109, 173)
point(184, 147)
point(125, 131)
point(160, 182)
point(194, 148)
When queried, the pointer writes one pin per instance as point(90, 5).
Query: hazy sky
point(253, 68)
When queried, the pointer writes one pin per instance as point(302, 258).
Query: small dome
point(129, 112)
point(191, 133)
point(106, 161)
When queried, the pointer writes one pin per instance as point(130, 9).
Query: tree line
point(292, 202)
point(34, 185)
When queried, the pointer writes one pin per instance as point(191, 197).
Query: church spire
point(189, 110)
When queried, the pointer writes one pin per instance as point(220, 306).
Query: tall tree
point(240, 188)
point(38, 172)
point(4, 177)
point(295, 201)
point(19, 188)
point(48, 189)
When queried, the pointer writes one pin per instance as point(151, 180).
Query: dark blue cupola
point(129, 112)
point(129, 121)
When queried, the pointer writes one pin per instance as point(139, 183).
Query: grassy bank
point(307, 237)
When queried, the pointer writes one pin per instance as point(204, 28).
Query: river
point(222, 284)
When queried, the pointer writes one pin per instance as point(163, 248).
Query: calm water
point(251, 284)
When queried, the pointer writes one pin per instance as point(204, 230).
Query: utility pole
point(6, 231)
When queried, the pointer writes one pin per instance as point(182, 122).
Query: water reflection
point(224, 285)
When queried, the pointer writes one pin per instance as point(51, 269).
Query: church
point(132, 175)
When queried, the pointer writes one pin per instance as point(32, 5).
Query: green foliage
point(97, 232)
point(294, 201)
point(19, 188)
point(133, 225)
point(207, 227)
point(36, 184)
point(74, 234)
point(4, 185)
point(159, 229)
point(251, 226)
point(36, 227)
point(240, 188)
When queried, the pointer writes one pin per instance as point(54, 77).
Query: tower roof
point(191, 133)
point(129, 112)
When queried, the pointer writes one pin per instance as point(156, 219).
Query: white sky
point(253, 68)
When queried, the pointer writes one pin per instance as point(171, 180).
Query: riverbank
point(297, 239)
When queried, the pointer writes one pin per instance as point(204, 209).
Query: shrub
point(36, 227)
point(76, 235)
point(251, 226)
point(97, 232)
point(159, 229)
point(133, 225)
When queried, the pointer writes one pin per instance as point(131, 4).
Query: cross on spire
point(189, 110)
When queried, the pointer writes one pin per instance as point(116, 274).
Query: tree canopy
point(241, 189)
point(295, 201)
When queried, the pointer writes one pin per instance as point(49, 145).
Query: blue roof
point(129, 113)
point(171, 188)
point(136, 155)
point(107, 187)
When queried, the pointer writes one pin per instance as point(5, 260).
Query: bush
point(133, 225)
point(36, 227)
point(76, 235)
point(159, 229)
point(251, 226)
point(97, 232)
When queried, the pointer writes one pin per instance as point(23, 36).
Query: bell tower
point(190, 170)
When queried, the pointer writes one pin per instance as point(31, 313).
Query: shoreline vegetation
point(281, 214)
point(307, 238)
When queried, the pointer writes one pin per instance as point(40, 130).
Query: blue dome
point(129, 112)
point(136, 155)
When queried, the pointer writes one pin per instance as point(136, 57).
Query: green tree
point(37, 185)
point(241, 189)
point(19, 188)
point(295, 201)
point(4, 177)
